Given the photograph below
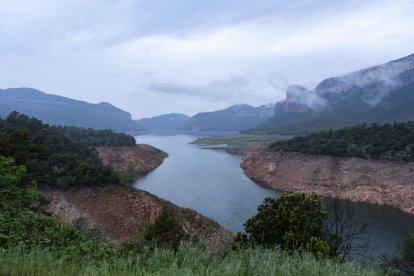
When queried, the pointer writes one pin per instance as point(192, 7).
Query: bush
point(293, 222)
point(166, 232)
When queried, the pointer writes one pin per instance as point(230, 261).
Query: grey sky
point(155, 57)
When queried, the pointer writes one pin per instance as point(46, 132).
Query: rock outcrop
point(373, 181)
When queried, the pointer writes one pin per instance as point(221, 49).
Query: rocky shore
point(372, 181)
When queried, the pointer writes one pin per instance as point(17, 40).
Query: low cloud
point(230, 90)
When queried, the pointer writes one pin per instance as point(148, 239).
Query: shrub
point(295, 221)
point(166, 232)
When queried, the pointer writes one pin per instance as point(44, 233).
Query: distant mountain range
point(234, 118)
point(57, 110)
point(383, 93)
point(173, 121)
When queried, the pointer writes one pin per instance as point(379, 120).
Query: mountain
point(383, 93)
point(234, 118)
point(57, 110)
point(173, 121)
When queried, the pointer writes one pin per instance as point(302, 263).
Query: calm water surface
point(212, 183)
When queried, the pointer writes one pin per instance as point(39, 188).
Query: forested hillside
point(96, 138)
point(388, 141)
point(49, 156)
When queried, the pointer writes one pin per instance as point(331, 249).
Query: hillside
point(394, 142)
point(173, 121)
point(57, 110)
point(383, 93)
point(370, 163)
point(77, 184)
point(233, 118)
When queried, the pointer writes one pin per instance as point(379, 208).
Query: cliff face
point(143, 158)
point(378, 182)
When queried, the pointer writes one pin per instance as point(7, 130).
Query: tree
point(166, 232)
point(299, 221)
point(295, 221)
point(347, 236)
point(128, 177)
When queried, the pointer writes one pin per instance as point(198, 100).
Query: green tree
point(128, 177)
point(166, 232)
point(295, 221)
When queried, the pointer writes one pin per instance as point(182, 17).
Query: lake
point(212, 183)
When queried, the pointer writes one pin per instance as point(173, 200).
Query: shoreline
point(332, 177)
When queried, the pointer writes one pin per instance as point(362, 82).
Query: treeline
point(95, 138)
point(50, 158)
point(368, 141)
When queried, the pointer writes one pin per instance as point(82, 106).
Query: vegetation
point(298, 222)
point(166, 232)
point(50, 158)
point(34, 243)
point(95, 138)
point(20, 225)
point(294, 222)
point(388, 141)
point(185, 261)
point(403, 262)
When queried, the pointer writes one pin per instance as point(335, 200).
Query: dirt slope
point(378, 182)
point(122, 213)
point(143, 158)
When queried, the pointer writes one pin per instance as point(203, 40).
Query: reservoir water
point(212, 183)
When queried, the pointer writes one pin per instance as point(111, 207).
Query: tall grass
point(186, 261)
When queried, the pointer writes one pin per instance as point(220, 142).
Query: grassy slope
point(192, 261)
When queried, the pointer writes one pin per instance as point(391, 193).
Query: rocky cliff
point(378, 182)
point(143, 158)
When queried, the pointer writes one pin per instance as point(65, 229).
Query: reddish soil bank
point(373, 181)
point(122, 214)
point(143, 158)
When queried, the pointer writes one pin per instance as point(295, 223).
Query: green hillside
point(388, 141)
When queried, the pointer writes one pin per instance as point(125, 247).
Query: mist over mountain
point(58, 110)
point(172, 121)
point(383, 93)
point(234, 118)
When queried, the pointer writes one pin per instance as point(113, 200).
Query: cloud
point(198, 54)
point(229, 90)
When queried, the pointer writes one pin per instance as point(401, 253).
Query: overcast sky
point(161, 56)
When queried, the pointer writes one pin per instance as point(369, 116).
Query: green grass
point(186, 261)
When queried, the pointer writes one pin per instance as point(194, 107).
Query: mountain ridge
point(59, 110)
point(381, 93)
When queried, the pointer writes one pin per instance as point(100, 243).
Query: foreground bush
point(293, 222)
point(185, 261)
